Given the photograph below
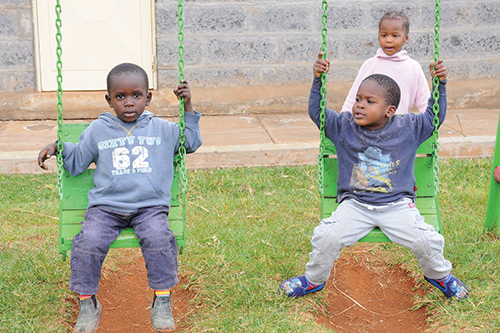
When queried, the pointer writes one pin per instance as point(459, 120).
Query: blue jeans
point(101, 227)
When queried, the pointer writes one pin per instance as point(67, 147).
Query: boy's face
point(392, 36)
point(370, 109)
point(128, 96)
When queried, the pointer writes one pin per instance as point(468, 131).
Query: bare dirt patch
point(126, 297)
point(364, 294)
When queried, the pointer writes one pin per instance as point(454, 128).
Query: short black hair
point(393, 15)
point(392, 91)
point(126, 68)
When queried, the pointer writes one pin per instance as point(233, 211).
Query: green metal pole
point(492, 222)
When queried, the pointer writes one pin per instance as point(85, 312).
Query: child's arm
point(47, 152)
point(192, 118)
point(426, 128)
point(76, 158)
point(442, 73)
point(183, 91)
point(320, 66)
point(496, 174)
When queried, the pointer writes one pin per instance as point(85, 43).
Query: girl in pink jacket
point(395, 63)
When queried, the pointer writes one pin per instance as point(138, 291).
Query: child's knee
point(157, 239)
point(428, 242)
point(328, 235)
point(91, 242)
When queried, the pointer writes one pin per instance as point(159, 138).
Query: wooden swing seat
point(426, 202)
point(74, 201)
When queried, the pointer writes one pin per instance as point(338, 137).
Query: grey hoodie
point(134, 161)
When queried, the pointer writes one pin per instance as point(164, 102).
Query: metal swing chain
point(322, 116)
point(60, 165)
point(435, 96)
point(181, 156)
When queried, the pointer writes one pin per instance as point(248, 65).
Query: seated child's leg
point(345, 227)
point(404, 225)
point(348, 224)
point(159, 250)
point(158, 246)
point(90, 247)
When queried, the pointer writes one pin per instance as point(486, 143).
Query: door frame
point(153, 80)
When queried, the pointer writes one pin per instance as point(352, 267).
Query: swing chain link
point(60, 164)
point(181, 156)
point(322, 116)
point(435, 96)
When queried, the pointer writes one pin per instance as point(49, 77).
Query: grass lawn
point(248, 230)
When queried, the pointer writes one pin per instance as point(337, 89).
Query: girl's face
point(128, 96)
point(392, 36)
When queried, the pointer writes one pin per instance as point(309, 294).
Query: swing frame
point(426, 160)
point(73, 190)
point(492, 219)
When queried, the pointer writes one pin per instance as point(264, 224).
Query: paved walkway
point(253, 140)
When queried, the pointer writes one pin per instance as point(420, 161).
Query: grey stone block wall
point(263, 42)
point(17, 72)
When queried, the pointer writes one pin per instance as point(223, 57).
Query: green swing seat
point(74, 201)
point(73, 190)
point(427, 198)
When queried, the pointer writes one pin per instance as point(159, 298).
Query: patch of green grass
point(248, 229)
point(33, 279)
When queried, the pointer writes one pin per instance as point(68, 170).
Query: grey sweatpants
point(400, 221)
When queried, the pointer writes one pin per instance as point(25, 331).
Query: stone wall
point(17, 70)
point(249, 56)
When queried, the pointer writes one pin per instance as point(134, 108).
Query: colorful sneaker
point(451, 287)
point(162, 319)
point(89, 316)
point(299, 286)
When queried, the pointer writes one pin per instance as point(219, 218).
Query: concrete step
point(253, 140)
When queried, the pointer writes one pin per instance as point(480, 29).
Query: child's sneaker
point(451, 286)
point(89, 316)
point(162, 319)
point(299, 286)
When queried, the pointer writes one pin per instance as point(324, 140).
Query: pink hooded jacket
point(407, 73)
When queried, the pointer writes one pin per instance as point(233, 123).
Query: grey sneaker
point(162, 319)
point(90, 314)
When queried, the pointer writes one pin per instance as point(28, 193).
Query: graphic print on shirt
point(372, 173)
point(130, 154)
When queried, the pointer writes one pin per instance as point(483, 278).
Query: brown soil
point(126, 297)
point(364, 294)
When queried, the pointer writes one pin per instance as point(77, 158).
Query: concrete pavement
point(253, 140)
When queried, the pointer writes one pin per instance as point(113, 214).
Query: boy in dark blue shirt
point(375, 187)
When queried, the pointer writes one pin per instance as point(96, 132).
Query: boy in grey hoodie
point(133, 153)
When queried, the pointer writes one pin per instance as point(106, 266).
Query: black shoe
point(89, 316)
point(162, 319)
